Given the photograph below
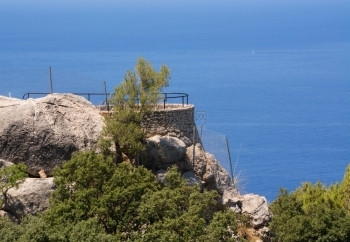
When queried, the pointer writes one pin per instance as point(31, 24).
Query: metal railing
point(174, 95)
point(85, 94)
point(165, 97)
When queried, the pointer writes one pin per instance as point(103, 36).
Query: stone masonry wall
point(174, 120)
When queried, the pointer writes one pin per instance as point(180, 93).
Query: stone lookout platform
point(176, 120)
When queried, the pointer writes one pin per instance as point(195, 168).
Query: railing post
point(107, 105)
point(51, 87)
point(229, 157)
point(165, 99)
point(194, 146)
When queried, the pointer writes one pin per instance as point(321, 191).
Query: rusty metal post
point(50, 73)
point(106, 99)
point(194, 145)
point(229, 157)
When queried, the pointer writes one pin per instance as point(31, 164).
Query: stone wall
point(174, 120)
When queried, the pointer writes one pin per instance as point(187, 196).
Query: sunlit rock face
point(44, 132)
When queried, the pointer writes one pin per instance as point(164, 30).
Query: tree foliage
point(132, 100)
point(93, 186)
point(345, 189)
point(98, 200)
point(11, 176)
point(312, 213)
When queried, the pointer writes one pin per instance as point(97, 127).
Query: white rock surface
point(163, 151)
point(253, 205)
point(256, 206)
point(208, 169)
point(44, 132)
point(31, 197)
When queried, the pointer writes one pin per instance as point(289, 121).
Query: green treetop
point(132, 100)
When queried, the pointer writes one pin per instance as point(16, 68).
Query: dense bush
point(98, 200)
point(313, 213)
point(11, 176)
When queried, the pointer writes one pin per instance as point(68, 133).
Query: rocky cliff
point(44, 132)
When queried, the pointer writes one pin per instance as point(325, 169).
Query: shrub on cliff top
point(134, 98)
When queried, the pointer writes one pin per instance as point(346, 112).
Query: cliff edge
point(44, 132)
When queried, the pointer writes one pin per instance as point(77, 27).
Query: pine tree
point(133, 99)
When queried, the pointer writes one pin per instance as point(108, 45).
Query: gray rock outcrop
point(44, 132)
point(215, 177)
point(4, 163)
point(31, 197)
point(209, 170)
point(164, 151)
point(255, 206)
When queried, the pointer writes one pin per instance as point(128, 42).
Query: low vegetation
point(99, 200)
point(313, 213)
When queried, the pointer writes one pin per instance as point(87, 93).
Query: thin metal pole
point(229, 157)
point(106, 96)
point(194, 145)
point(51, 88)
point(165, 99)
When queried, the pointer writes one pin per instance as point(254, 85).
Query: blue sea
point(272, 77)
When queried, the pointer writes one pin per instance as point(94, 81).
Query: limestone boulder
point(44, 132)
point(31, 197)
point(256, 207)
point(208, 169)
point(233, 200)
point(199, 162)
point(4, 163)
point(253, 205)
point(164, 151)
point(216, 177)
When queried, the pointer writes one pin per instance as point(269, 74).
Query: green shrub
point(11, 176)
point(312, 213)
point(98, 200)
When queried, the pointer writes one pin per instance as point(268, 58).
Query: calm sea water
point(275, 82)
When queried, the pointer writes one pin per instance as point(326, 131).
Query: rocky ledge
point(44, 132)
